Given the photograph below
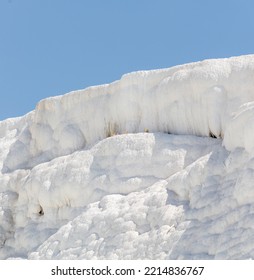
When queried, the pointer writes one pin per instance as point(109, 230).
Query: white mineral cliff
point(157, 165)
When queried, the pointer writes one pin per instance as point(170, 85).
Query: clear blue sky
point(50, 47)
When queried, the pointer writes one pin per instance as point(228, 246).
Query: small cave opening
point(41, 212)
point(212, 135)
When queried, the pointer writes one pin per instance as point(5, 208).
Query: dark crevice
point(41, 212)
point(212, 135)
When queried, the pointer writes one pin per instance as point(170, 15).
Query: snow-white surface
point(131, 170)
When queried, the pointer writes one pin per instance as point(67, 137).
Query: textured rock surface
point(80, 178)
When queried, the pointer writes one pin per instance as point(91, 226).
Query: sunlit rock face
point(157, 165)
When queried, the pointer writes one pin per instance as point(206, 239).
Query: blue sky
point(51, 47)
